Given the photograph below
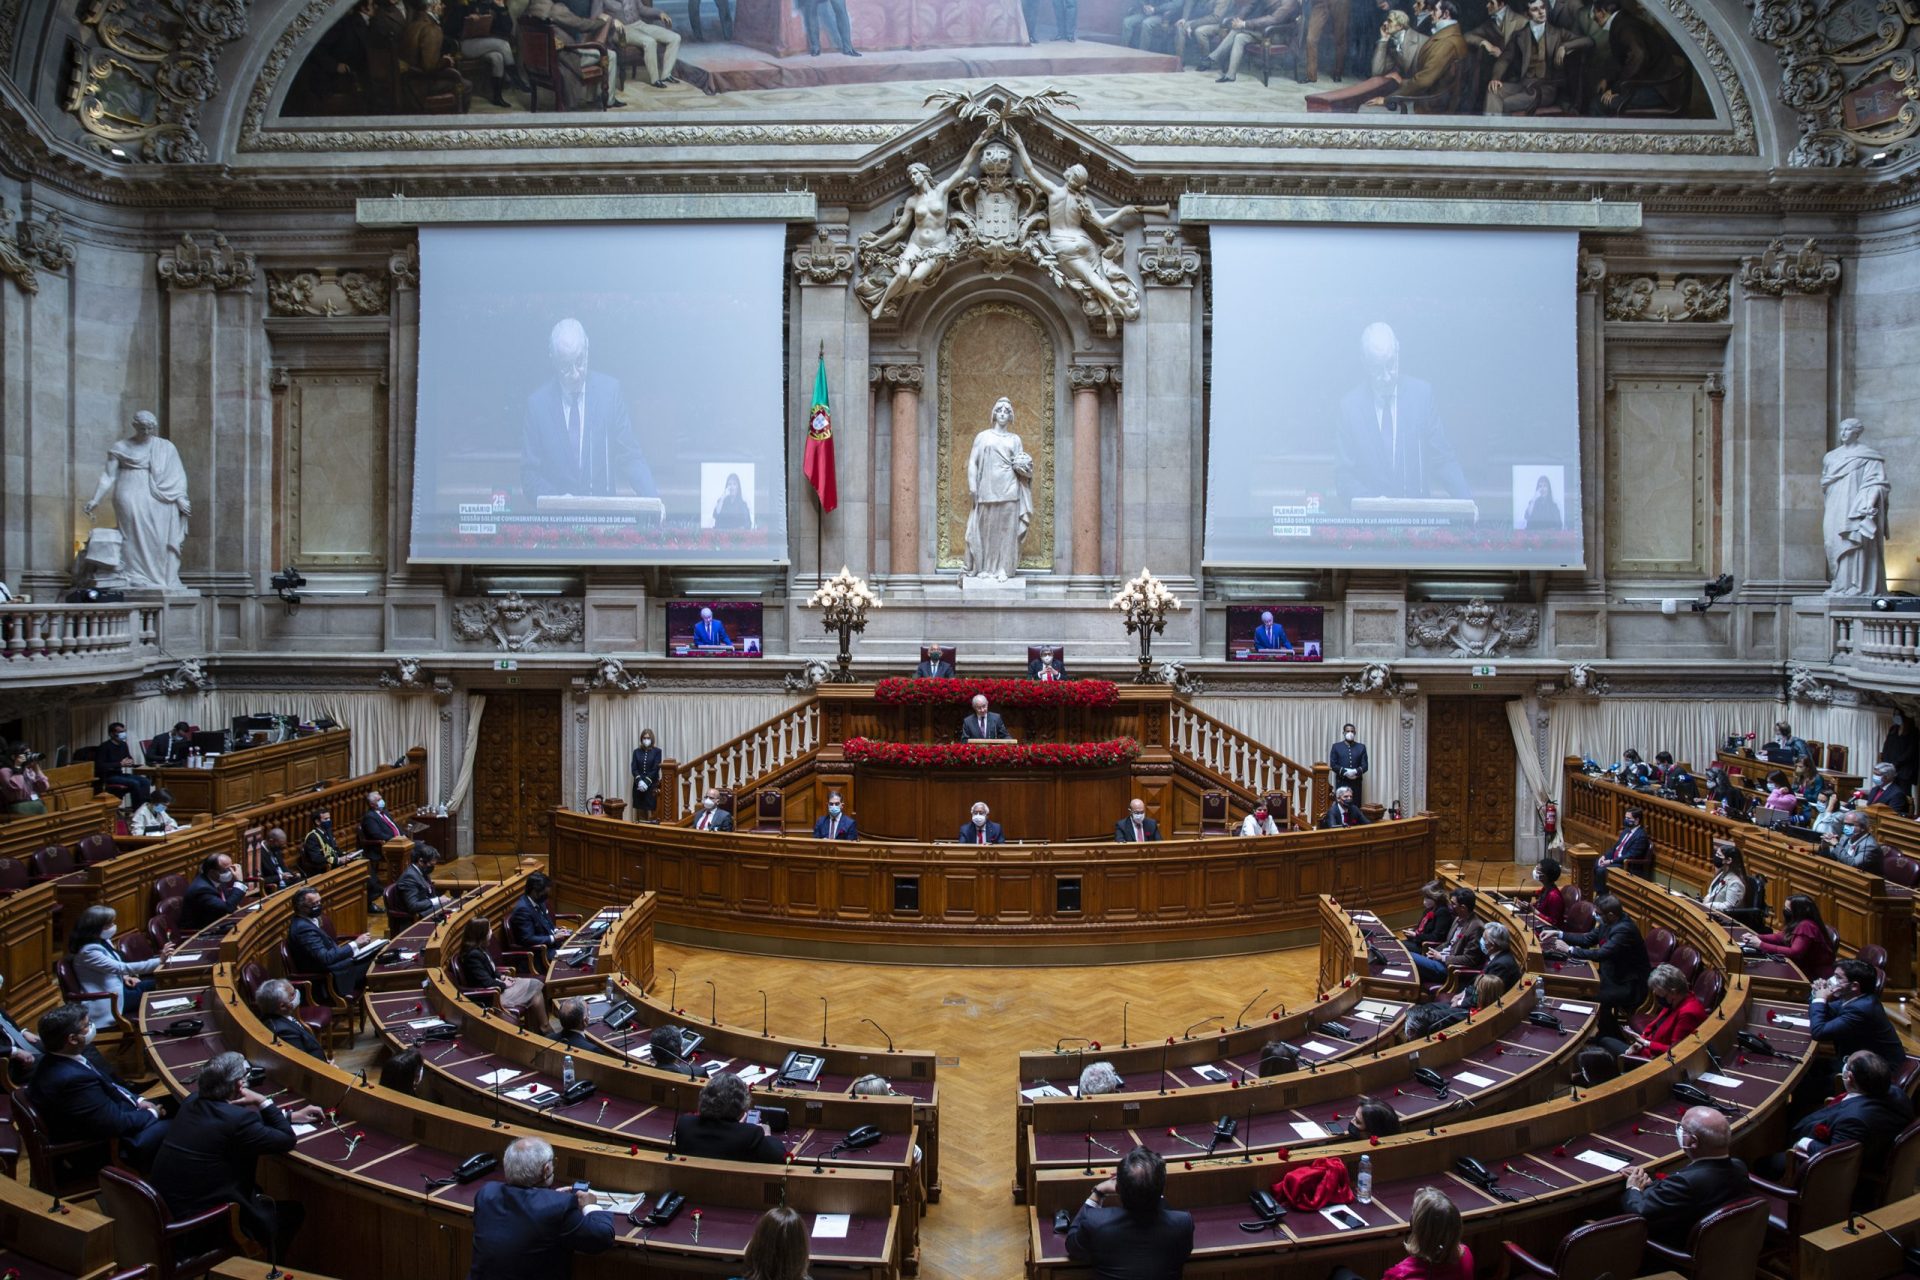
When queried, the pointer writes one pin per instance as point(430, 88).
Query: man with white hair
point(1270, 636)
point(1344, 811)
point(1392, 442)
point(983, 723)
point(710, 632)
point(979, 828)
point(579, 437)
point(1046, 665)
point(527, 1229)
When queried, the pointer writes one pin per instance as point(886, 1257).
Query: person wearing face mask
point(98, 967)
point(275, 874)
point(979, 829)
point(319, 852)
point(1869, 1111)
point(413, 892)
point(1345, 811)
point(646, 777)
point(1549, 905)
point(934, 664)
point(171, 748)
point(711, 816)
point(1855, 845)
point(1047, 666)
point(1677, 1015)
point(1347, 760)
point(21, 1045)
point(1711, 1178)
point(1886, 789)
point(531, 926)
point(277, 1001)
point(378, 829)
point(1136, 827)
point(311, 950)
point(23, 784)
point(1618, 950)
point(152, 818)
point(1633, 850)
point(79, 1102)
point(113, 766)
point(1260, 823)
point(1786, 748)
point(215, 892)
point(1727, 891)
point(836, 825)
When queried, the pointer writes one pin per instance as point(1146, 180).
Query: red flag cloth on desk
point(818, 463)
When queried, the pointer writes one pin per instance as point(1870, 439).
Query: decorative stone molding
point(406, 676)
point(1475, 629)
point(142, 69)
point(824, 259)
point(1375, 680)
point(326, 292)
point(218, 266)
point(810, 677)
point(1093, 377)
point(610, 675)
point(1804, 686)
point(909, 376)
point(1714, 385)
point(1590, 272)
point(1668, 300)
point(516, 625)
point(1848, 72)
point(404, 267)
point(191, 674)
point(1777, 271)
point(28, 248)
point(1168, 260)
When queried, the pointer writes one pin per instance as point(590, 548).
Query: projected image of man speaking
point(579, 437)
point(1393, 443)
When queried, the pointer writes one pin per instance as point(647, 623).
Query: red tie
point(702, 824)
point(982, 831)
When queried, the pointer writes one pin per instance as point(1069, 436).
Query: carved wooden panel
point(516, 772)
point(1659, 476)
point(1470, 778)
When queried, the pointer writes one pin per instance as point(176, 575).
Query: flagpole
point(820, 521)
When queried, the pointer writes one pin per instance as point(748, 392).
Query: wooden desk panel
point(27, 953)
point(930, 805)
point(254, 775)
point(24, 834)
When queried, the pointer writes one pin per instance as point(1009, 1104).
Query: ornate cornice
point(218, 266)
point(1168, 260)
point(1093, 377)
point(323, 291)
point(1779, 271)
point(28, 248)
point(909, 377)
point(1667, 299)
point(1848, 71)
point(142, 69)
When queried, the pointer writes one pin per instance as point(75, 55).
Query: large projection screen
point(1393, 398)
point(595, 394)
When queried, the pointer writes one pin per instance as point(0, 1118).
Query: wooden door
point(1470, 778)
point(516, 772)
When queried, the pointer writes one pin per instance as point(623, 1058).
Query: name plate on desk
point(993, 742)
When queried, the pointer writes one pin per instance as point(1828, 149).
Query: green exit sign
point(1486, 671)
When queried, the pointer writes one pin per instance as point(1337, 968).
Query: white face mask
point(379, 804)
point(91, 1032)
point(1680, 1136)
point(106, 934)
point(1139, 815)
point(225, 877)
point(834, 809)
point(1352, 736)
point(122, 737)
point(646, 742)
point(979, 819)
point(709, 802)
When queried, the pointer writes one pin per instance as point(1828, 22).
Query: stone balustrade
point(1880, 642)
point(41, 640)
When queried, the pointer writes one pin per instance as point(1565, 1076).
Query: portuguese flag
point(818, 463)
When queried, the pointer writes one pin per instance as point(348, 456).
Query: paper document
point(1601, 1160)
point(1720, 1081)
point(1396, 973)
point(1041, 1091)
point(754, 1075)
point(1315, 1046)
point(302, 1130)
point(1788, 1020)
point(1368, 916)
point(173, 1005)
point(831, 1226)
point(1306, 1130)
point(1477, 1081)
point(500, 1077)
point(427, 1024)
point(1582, 1009)
point(184, 957)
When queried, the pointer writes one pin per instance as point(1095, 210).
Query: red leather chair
point(50, 863)
point(317, 1018)
point(1874, 954)
point(1898, 868)
point(1818, 1190)
point(397, 919)
point(13, 877)
point(1593, 1251)
point(58, 1168)
point(170, 886)
point(96, 848)
point(1687, 961)
point(1659, 946)
point(167, 913)
point(318, 991)
point(144, 1230)
point(1581, 917)
point(1724, 1245)
point(1902, 1174)
point(135, 947)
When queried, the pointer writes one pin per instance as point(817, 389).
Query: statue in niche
point(927, 243)
point(1854, 479)
point(149, 487)
point(1000, 478)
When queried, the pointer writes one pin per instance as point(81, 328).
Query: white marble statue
point(1000, 478)
point(1084, 245)
point(926, 241)
point(1854, 479)
point(149, 487)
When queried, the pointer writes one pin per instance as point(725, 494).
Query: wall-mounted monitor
point(1275, 632)
point(714, 628)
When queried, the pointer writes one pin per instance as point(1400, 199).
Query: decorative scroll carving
point(910, 376)
point(217, 266)
point(1475, 629)
point(1848, 70)
point(1168, 260)
point(610, 675)
point(325, 292)
point(1667, 299)
point(1591, 273)
point(823, 259)
point(1093, 377)
point(28, 248)
point(515, 625)
point(404, 267)
point(1778, 271)
point(142, 69)
point(1375, 680)
point(1804, 686)
point(191, 674)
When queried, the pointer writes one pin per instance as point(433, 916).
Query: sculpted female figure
point(1000, 478)
point(923, 225)
point(149, 487)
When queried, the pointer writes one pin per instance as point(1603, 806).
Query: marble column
point(1162, 428)
point(1087, 381)
point(903, 530)
point(828, 321)
point(41, 487)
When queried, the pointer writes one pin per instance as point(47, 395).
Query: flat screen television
point(1274, 632)
point(713, 628)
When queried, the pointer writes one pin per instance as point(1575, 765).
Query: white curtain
point(476, 707)
point(685, 725)
point(1303, 728)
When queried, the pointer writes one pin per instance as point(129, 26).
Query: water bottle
point(613, 992)
point(1363, 1185)
point(566, 1073)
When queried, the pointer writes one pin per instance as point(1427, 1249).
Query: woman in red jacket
point(1550, 905)
point(1679, 1016)
point(1804, 938)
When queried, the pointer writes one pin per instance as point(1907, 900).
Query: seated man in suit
point(277, 1002)
point(934, 664)
point(113, 764)
point(213, 1145)
point(579, 438)
point(1634, 845)
point(1854, 844)
point(712, 817)
point(1140, 1237)
point(1530, 72)
point(1428, 63)
point(413, 891)
point(1844, 1011)
point(81, 1103)
point(1462, 949)
point(1869, 1111)
point(378, 829)
point(312, 951)
point(1886, 788)
point(720, 1130)
point(1618, 951)
point(1392, 442)
point(215, 892)
point(172, 748)
point(1047, 666)
point(835, 824)
point(572, 1016)
point(710, 632)
point(979, 829)
point(319, 851)
point(667, 1044)
point(1711, 1178)
point(531, 927)
point(524, 1227)
point(982, 723)
point(1136, 827)
point(275, 874)
point(21, 1046)
point(1270, 636)
point(1344, 812)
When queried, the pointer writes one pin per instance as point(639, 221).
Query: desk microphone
point(823, 1022)
point(673, 997)
point(882, 1030)
point(1124, 1005)
point(1163, 1064)
point(763, 1015)
point(1239, 1018)
point(713, 1003)
point(1212, 1017)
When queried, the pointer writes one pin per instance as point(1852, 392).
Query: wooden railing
point(739, 764)
point(77, 634)
point(1255, 769)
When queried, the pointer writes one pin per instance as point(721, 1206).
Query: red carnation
point(1283, 1154)
point(1372, 1141)
point(1096, 1046)
point(1823, 1133)
point(1560, 1150)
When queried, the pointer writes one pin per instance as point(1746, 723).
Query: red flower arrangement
point(1037, 755)
point(900, 691)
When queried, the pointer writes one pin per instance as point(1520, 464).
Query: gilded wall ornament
point(142, 69)
point(1779, 271)
point(1848, 70)
point(326, 292)
point(217, 265)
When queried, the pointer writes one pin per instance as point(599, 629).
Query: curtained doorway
point(516, 771)
point(1470, 778)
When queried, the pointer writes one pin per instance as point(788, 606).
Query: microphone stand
point(673, 1134)
point(713, 1003)
point(763, 1016)
point(1124, 1004)
point(1212, 1017)
point(1089, 1153)
point(882, 1030)
point(1163, 1065)
point(1239, 1019)
point(1246, 1136)
point(823, 1022)
point(674, 998)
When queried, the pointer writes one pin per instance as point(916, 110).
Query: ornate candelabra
point(1145, 603)
point(843, 601)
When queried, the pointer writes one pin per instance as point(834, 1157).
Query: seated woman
point(1727, 891)
point(1373, 1120)
point(404, 1072)
point(152, 818)
point(1436, 919)
point(1811, 786)
point(1434, 1251)
point(1780, 796)
point(23, 784)
point(1277, 1058)
point(97, 966)
point(1549, 905)
point(1828, 814)
point(1803, 937)
point(1099, 1078)
point(526, 998)
point(1679, 1016)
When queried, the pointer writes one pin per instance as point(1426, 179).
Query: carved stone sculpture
point(409, 676)
point(1182, 680)
point(610, 675)
point(927, 243)
point(811, 676)
point(190, 675)
point(515, 625)
point(1375, 679)
point(1000, 478)
point(1853, 479)
point(1582, 677)
point(149, 487)
point(1473, 630)
point(1778, 271)
point(1804, 686)
point(1083, 245)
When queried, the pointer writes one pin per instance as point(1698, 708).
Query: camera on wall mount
point(1716, 589)
point(286, 584)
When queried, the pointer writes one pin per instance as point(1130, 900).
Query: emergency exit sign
point(1486, 671)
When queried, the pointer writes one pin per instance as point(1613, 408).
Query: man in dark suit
point(1855, 844)
point(1618, 951)
point(1347, 761)
point(579, 438)
point(1638, 62)
point(1392, 442)
point(1140, 1237)
point(378, 829)
point(1634, 845)
point(1886, 788)
point(710, 632)
point(526, 1228)
point(711, 816)
point(933, 664)
point(81, 1103)
point(1047, 666)
point(1710, 1179)
point(983, 723)
point(413, 892)
point(668, 1046)
point(277, 1001)
point(1870, 1111)
point(215, 1141)
point(720, 1130)
point(1345, 811)
point(113, 763)
point(1844, 1011)
point(1136, 827)
point(320, 851)
point(275, 874)
point(530, 927)
point(1530, 72)
point(1270, 636)
point(1461, 949)
point(215, 892)
point(979, 829)
point(172, 748)
point(834, 824)
point(571, 1014)
point(21, 1046)
point(645, 767)
point(312, 951)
